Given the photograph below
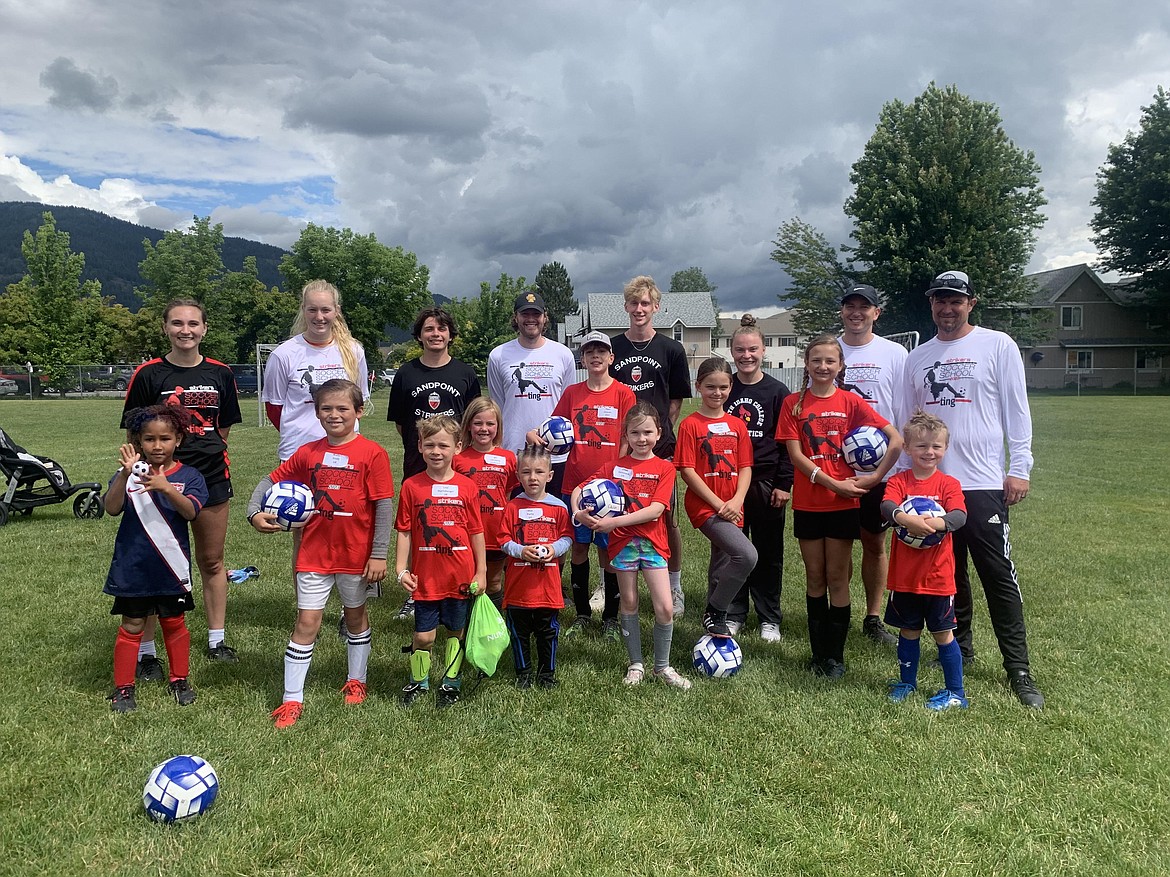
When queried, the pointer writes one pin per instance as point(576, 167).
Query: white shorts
point(313, 589)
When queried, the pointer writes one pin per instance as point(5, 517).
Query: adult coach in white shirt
point(875, 369)
point(973, 378)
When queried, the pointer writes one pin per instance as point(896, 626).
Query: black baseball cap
point(864, 290)
point(529, 301)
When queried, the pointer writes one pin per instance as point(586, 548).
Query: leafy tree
point(1132, 223)
point(485, 321)
point(818, 277)
point(183, 264)
point(254, 313)
point(693, 279)
point(940, 185)
point(379, 285)
point(555, 287)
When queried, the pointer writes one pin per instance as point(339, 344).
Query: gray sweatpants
point(733, 557)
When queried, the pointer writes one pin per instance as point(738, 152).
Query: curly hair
point(136, 420)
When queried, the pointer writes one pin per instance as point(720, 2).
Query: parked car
point(386, 375)
point(105, 377)
point(8, 387)
point(247, 383)
point(21, 380)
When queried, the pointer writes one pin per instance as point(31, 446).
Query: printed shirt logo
point(636, 373)
point(719, 446)
point(823, 433)
point(858, 376)
point(533, 380)
point(940, 381)
point(434, 518)
point(433, 401)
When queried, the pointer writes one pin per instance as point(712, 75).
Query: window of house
point(1080, 360)
point(1070, 317)
point(1149, 360)
point(678, 331)
point(787, 340)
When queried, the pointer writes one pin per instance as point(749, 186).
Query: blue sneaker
point(946, 700)
point(899, 691)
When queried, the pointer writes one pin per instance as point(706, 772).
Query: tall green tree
point(694, 279)
point(555, 287)
point(485, 321)
point(941, 185)
point(818, 277)
point(1131, 227)
point(379, 285)
point(255, 313)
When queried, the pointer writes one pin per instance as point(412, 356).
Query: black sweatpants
point(525, 623)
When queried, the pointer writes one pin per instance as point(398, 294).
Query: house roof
point(570, 327)
point(1051, 285)
point(693, 309)
point(777, 324)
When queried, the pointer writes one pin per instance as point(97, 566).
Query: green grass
point(772, 772)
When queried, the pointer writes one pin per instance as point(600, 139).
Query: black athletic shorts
point(871, 518)
point(841, 524)
point(162, 605)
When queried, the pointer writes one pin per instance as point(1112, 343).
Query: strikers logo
point(636, 373)
point(433, 401)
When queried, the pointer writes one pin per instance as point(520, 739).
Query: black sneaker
point(222, 654)
point(446, 697)
point(873, 628)
point(412, 691)
point(547, 681)
point(715, 623)
point(524, 681)
point(1025, 689)
point(834, 669)
point(122, 700)
point(149, 669)
point(183, 692)
point(407, 610)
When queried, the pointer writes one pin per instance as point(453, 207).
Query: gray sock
point(662, 636)
point(632, 634)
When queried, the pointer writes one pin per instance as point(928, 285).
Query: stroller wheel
point(89, 505)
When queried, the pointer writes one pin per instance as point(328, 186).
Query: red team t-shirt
point(924, 570)
point(531, 522)
point(441, 517)
point(346, 481)
point(494, 475)
point(643, 482)
point(716, 448)
point(821, 428)
point(597, 417)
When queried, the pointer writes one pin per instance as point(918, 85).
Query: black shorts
point(494, 556)
point(163, 605)
point(908, 611)
point(841, 524)
point(219, 493)
point(871, 518)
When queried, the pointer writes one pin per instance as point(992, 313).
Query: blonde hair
point(922, 424)
point(347, 345)
point(642, 284)
point(429, 426)
point(825, 340)
point(477, 406)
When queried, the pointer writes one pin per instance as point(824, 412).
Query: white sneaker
point(770, 632)
point(734, 627)
point(634, 674)
point(676, 597)
point(671, 677)
point(597, 598)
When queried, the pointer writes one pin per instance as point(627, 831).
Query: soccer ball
point(602, 498)
point(864, 448)
point(180, 788)
point(542, 551)
point(928, 508)
point(141, 468)
point(717, 657)
point(557, 432)
point(291, 502)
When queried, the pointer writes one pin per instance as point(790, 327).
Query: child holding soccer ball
point(344, 544)
point(637, 541)
point(922, 580)
point(535, 533)
point(150, 574)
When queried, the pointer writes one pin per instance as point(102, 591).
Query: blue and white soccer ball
point(928, 508)
point(864, 448)
point(602, 498)
point(291, 502)
point(180, 788)
point(717, 657)
point(557, 433)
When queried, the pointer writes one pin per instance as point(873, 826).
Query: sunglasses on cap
point(951, 283)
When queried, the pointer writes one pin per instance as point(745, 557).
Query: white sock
point(214, 638)
point(358, 651)
point(296, 669)
point(676, 580)
point(146, 647)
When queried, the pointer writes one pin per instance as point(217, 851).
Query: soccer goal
point(262, 353)
point(909, 340)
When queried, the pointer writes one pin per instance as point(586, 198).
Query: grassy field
point(772, 772)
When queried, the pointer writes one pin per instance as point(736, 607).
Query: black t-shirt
point(208, 392)
point(657, 372)
point(419, 392)
point(758, 405)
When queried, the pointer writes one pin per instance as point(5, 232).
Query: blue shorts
point(638, 554)
point(582, 535)
point(911, 611)
point(451, 612)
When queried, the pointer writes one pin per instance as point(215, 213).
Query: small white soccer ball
point(864, 448)
point(291, 502)
point(928, 508)
point(180, 788)
point(542, 551)
point(717, 657)
point(602, 498)
point(141, 468)
point(557, 432)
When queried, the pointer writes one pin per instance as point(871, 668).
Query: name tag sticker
point(444, 490)
point(335, 461)
point(607, 412)
point(718, 428)
point(623, 474)
point(495, 460)
point(529, 514)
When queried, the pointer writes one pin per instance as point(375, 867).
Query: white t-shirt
point(976, 385)
point(527, 384)
point(877, 373)
point(293, 372)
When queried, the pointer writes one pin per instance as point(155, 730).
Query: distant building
point(780, 339)
point(687, 317)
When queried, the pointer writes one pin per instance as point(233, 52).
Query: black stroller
point(35, 481)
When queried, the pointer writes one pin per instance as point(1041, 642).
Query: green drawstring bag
point(487, 635)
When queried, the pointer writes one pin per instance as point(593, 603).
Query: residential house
point(780, 339)
point(687, 317)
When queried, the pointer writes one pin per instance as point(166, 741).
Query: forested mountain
point(112, 248)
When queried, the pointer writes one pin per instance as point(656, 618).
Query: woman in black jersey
point(185, 378)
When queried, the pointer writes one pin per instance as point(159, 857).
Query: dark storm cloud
point(76, 89)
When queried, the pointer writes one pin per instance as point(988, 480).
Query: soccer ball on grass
point(180, 788)
point(717, 657)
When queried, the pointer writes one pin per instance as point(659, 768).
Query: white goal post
point(262, 352)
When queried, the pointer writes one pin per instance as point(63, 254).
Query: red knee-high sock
point(178, 642)
point(125, 656)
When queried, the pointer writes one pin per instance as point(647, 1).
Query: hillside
point(112, 248)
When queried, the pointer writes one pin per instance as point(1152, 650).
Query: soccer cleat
point(446, 697)
point(670, 676)
point(635, 673)
point(149, 669)
point(412, 691)
point(873, 629)
point(834, 669)
point(715, 623)
point(579, 626)
point(734, 627)
point(899, 691)
point(183, 692)
point(342, 630)
point(122, 699)
point(286, 715)
point(770, 632)
point(547, 681)
point(679, 602)
point(354, 691)
point(407, 610)
point(222, 654)
point(1025, 689)
point(946, 700)
point(524, 680)
point(611, 630)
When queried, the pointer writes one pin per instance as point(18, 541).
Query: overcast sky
point(616, 137)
